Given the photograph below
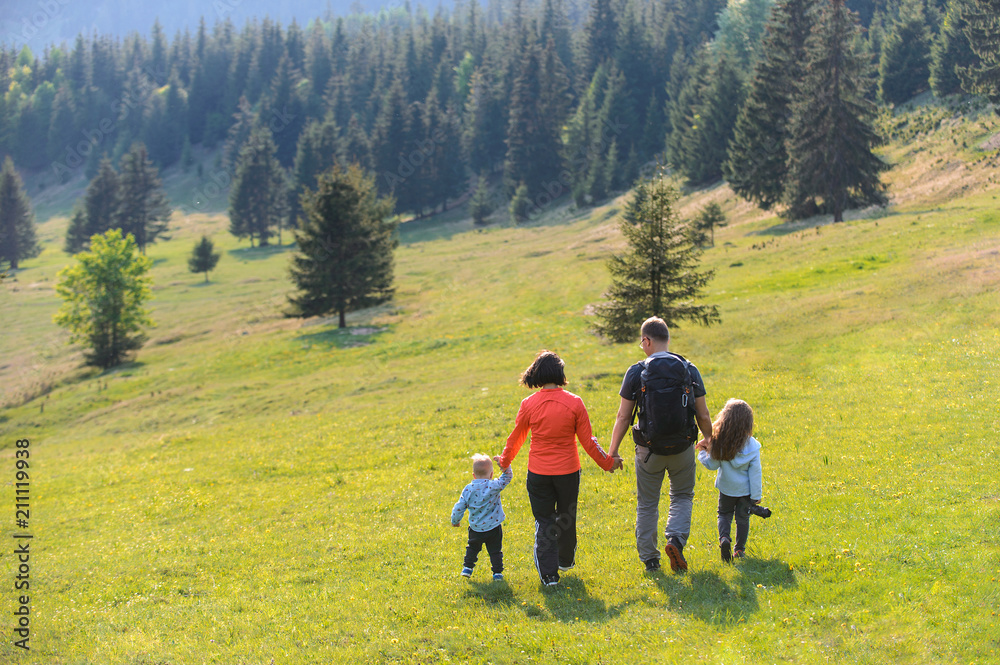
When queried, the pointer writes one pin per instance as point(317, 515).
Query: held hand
point(497, 458)
point(619, 463)
point(702, 445)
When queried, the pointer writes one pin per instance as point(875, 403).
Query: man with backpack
point(668, 394)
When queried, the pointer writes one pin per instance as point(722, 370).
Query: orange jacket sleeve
point(516, 438)
point(586, 436)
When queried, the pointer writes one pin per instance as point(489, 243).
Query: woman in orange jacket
point(555, 418)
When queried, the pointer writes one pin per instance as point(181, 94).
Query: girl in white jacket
point(736, 455)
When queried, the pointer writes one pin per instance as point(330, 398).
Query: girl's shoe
point(739, 554)
point(498, 577)
point(467, 572)
point(725, 546)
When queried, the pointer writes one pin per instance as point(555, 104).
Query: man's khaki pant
point(680, 469)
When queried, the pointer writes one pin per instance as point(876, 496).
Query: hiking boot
point(725, 546)
point(652, 565)
point(467, 572)
point(675, 552)
point(760, 511)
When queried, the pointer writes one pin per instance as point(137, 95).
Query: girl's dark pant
point(740, 507)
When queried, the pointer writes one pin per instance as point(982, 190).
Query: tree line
point(557, 96)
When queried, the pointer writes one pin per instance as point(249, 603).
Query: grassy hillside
point(255, 489)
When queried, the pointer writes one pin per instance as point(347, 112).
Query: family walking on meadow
point(667, 394)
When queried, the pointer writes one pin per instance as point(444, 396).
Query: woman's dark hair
point(546, 368)
point(731, 429)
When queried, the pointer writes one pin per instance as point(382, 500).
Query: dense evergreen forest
point(553, 97)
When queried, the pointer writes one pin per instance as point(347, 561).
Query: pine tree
point(145, 210)
point(345, 247)
point(203, 257)
point(708, 219)
point(658, 274)
point(317, 151)
point(983, 31)
point(756, 163)
point(101, 207)
point(258, 200)
point(103, 295)
point(76, 235)
point(17, 219)
point(951, 51)
point(481, 205)
point(708, 131)
point(832, 131)
point(906, 49)
point(520, 204)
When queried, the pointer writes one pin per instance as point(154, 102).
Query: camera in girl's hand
point(760, 511)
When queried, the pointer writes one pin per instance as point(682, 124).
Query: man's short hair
point(655, 329)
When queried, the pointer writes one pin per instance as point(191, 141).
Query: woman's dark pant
point(740, 506)
point(553, 503)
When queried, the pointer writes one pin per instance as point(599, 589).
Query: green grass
point(254, 488)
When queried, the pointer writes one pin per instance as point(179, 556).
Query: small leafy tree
point(17, 219)
point(345, 243)
point(658, 274)
point(103, 295)
point(203, 257)
point(481, 205)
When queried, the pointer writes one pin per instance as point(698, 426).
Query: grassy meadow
point(255, 489)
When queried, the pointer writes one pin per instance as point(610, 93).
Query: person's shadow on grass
point(706, 595)
point(570, 601)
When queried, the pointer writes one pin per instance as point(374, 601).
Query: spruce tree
point(832, 132)
point(658, 274)
point(317, 151)
point(951, 51)
point(481, 205)
point(101, 207)
point(906, 49)
point(76, 234)
point(145, 210)
point(203, 257)
point(710, 217)
point(708, 131)
point(17, 219)
point(983, 31)
point(756, 163)
point(520, 204)
point(344, 260)
point(258, 199)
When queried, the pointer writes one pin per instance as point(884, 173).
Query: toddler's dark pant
point(493, 539)
point(740, 505)
point(553, 503)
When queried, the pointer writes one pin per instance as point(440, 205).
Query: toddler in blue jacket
point(736, 455)
point(482, 498)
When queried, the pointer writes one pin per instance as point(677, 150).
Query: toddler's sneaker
point(652, 565)
point(675, 552)
point(467, 572)
point(725, 546)
point(498, 577)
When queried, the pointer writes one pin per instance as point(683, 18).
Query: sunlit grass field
point(255, 489)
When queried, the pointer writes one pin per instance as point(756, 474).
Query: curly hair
point(547, 367)
point(731, 429)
